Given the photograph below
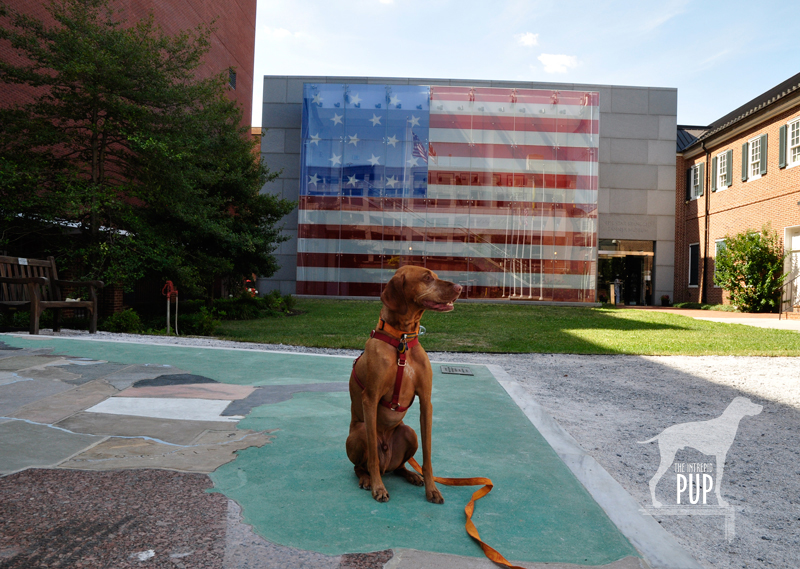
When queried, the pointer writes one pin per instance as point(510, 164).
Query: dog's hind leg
point(667, 456)
point(718, 476)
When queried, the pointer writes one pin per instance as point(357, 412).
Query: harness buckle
point(401, 363)
point(394, 406)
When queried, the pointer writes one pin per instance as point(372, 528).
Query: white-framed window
point(793, 137)
point(722, 171)
point(719, 245)
point(694, 264)
point(694, 182)
point(755, 158)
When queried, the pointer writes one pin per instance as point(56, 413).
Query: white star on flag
point(414, 121)
point(313, 179)
point(375, 120)
point(315, 139)
point(391, 181)
point(355, 99)
point(335, 160)
point(354, 140)
point(392, 140)
point(317, 99)
point(412, 161)
point(374, 160)
point(395, 100)
point(351, 180)
point(337, 119)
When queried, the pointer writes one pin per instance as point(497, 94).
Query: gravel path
point(608, 403)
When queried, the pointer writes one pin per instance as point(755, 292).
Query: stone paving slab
point(51, 374)
point(211, 450)
point(166, 408)
point(168, 430)
point(26, 445)
point(193, 391)
point(130, 375)
point(54, 408)
point(16, 363)
point(174, 379)
point(87, 373)
point(14, 396)
point(270, 394)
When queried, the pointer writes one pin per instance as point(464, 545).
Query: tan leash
point(491, 553)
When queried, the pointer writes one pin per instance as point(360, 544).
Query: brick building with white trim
point(738, 174)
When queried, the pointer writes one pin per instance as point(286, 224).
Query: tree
point(750, 268)
point(123, 162)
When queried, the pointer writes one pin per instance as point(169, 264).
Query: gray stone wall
point(638, 127)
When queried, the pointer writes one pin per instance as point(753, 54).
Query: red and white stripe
point(510, 211)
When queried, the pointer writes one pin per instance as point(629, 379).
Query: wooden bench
point(35, 284)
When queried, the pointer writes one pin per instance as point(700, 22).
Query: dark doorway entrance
point(629, 266)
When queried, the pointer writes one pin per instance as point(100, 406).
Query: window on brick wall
point(694, 264)
point(232, 78)
point(794, 143)
point(694, 181)
point(721, 170)
point(755, 157)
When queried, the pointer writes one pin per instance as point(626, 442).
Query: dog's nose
point(457, 288)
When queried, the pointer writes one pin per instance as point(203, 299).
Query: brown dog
point(392, 371)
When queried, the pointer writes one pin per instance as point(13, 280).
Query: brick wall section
point(109, 300)
point(232, 44)
point(745, 205)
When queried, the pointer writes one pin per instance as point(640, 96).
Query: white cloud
point(387, 1)
point(278, 33)
point(557, 63)
point(527, 39)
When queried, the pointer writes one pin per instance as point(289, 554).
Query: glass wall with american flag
point(495, 189)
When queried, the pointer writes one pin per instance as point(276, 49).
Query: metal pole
point(176, 314)
point(167, 314)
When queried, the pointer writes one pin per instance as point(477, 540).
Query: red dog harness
point(405, 343)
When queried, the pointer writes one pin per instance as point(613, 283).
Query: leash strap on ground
point(491, 553)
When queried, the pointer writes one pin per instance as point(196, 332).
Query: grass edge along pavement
point(514, 328)
point(539, 510)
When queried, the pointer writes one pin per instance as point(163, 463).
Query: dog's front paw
point(434, 496)
point(380, 494)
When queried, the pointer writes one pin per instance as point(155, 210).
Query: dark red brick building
point(232, 44)
point(738, 174)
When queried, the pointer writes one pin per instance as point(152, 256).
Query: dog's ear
point(393, 296)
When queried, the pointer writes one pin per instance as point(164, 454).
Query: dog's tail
point(648, 441)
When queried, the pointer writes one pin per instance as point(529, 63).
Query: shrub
point(200, 323)
point(750, 268)
point(127, 322)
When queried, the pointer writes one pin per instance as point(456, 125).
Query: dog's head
point(743, 406)
point(417, 288)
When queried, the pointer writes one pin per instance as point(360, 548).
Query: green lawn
point(511, 328)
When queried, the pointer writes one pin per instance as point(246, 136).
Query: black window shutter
point(782, 147)
point(729, 169)
point(702, 167)
point(689, 183)
point(763, 169)
point(714, 174)
point(745, 149)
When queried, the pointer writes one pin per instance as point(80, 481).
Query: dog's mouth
point(438, 306)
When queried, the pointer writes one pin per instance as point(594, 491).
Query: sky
point(719, 55)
